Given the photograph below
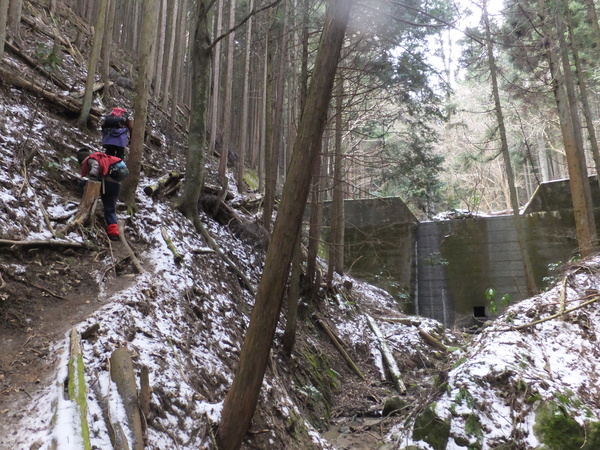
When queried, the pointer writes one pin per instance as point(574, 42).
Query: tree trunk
point(160, 47)
point(289, 335)
point(200, 60)
point(3, 21)
point(107, 41)
point(14, 20)
point(240, 403)
point(336, 238)
point(227, 106)
point(93, 63)
point(268, 136)
point(583, 91)
point(215, 94)
point(172, 15)
point(245, 106)
point(514, 200)
point(142, 95)
point(178, 64)
point(577, 173)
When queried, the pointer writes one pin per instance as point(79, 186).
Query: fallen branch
point(338, 344)
point(178, 256)
point(134, 260)
point(38, 243)
point(387, 355)
point(554, 316)
point(212, 244)
point(432, 341)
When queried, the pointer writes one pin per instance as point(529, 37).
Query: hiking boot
point(113, 231)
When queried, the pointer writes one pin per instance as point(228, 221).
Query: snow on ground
point(516, 370)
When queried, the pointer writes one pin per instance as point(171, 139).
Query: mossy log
point(176, 255)
point(121, 372)
point(77, 388)
point(387, 355)
point(166, 183)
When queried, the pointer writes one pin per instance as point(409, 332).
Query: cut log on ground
point(121, 372)
point(387, 355)
point(164, 184)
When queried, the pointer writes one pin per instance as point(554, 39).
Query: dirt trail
point(45, 293)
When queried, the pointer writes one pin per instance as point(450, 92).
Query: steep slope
point(183, 320)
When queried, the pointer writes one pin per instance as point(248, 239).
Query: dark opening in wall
point(479, 312)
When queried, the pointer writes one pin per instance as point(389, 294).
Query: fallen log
point(387, 355)
point(164, 183)
point(338, 345)
point(177, 256)
point(121, 373)
point(39, 243)
point(432, 341)
point(61, 101)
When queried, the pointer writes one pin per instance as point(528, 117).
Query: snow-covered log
point(388, 357)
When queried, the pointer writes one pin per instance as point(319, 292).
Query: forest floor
point(43, 294)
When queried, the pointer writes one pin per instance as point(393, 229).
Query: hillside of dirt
point(182, 319)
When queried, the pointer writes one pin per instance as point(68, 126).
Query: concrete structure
point(443, 269)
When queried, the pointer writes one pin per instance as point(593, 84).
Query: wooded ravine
point(138, 342)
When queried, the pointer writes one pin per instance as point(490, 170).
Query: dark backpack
point(113, 121)
point(118, 171)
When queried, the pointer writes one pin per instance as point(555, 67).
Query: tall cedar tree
point(241, 400)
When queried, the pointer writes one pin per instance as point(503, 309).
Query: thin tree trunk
point(514, 200)
point(172, 15)
point(142, 91)
point(178, 63)
point(216, 83)
point(93, 63)
point(241, 400)
point(201, 60)
point(577, 176)
point(227, 107)
point(3, 21)
point(245, 106)
point(107, 41)
point(583, 91)
point(14, 20)
point(160, 47)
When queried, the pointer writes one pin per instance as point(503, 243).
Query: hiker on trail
point(116, 129)
point(110, 170)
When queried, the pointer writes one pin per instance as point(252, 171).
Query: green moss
point(251, 179)
point(78, 394)
point(431, 429)
point(557, 430)
point(318, 387)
